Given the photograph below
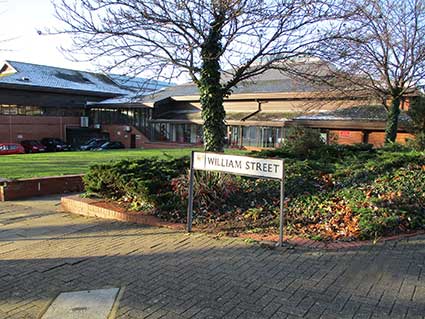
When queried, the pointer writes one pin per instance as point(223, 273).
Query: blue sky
point(20, 20)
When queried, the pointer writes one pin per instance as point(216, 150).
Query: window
point(257, 136)
point(27, 110)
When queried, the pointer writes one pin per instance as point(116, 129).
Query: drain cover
point(90, 304)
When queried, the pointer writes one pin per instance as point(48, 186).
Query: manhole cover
point(90, 304)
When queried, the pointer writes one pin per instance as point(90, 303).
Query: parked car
point(11, 148)
point(111, 146)
point(93, 144)
point(33, 146)
point(55, 144)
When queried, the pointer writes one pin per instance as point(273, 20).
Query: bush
point(308, 144)
point(418, 143)
point(417, 115)
point(212, 192)
point(300, 144)
point(139, 183)
point(345, 193)
point(304, 140)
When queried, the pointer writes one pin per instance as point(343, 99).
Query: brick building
point(41, 101)
point(38, 101)
point(260, 113)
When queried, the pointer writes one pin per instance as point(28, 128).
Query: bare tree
point(3, 37)
point(218, 43)
point(380, 46)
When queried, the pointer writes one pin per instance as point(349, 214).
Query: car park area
point(11, 148)
point(50, 144)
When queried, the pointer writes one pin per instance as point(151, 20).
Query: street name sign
point(239, 165)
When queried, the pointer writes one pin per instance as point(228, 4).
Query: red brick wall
point(378, 138)
point(24, 188)
point(14, 129)
point(347, 137)
point(403, 137)
point(119, 133)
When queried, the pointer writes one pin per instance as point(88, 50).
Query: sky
point(19, 22)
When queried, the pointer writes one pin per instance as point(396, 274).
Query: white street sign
point(242, 165)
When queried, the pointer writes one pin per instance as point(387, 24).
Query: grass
point(68, 163)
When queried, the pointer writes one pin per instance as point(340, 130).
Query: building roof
point(361, 112)
point(272, 81)
point(124, 101)
point(272, 84)
point(138, 84)
point(15, 74)
point(190, 116)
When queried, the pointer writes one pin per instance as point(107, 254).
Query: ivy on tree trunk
point(211, 90)
point(392, 118)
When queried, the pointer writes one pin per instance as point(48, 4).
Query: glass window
point(234, 135)
point(21, 110)
point(251, 136)
point(29, 110)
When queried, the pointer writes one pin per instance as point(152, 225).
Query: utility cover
point(88, 304)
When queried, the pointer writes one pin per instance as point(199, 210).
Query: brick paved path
point(168, 274)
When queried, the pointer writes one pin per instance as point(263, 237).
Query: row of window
point(237, 136)
point(27, 110)
point(179, 133)
point(185, 133)
point(131, 116)
point(257, 136)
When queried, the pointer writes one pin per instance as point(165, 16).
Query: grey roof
point(268, 86)
point(361, 112)
point(180, 116)
point(129, 100)
point(269, 82)
point(150, 97)
point(139, 84)
point(190, 115)
point(272, 116)
point(43, 76)
point(272, 81)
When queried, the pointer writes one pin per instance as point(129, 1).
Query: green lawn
point(65, 163)
point(68, 163)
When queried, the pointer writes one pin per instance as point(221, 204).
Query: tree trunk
point(211, 91)
point(392, 119)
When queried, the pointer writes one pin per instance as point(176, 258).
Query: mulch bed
point(106, 209)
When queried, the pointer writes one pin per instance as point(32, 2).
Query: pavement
point(165, 273)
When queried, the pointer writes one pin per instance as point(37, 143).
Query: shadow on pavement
point(179, 276)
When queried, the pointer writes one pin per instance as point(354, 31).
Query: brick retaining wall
point(25, 188)
point(96, 208)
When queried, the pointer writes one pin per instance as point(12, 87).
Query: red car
point(33, 146)
point(11, 148)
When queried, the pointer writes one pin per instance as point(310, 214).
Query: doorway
point(133, 141)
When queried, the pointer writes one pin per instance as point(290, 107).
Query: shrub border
point(93, 208)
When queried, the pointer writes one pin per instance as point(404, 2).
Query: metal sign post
point(239, 165)
point(190, 204)
point(282, 206)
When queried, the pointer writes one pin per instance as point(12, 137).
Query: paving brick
point(168, 274)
